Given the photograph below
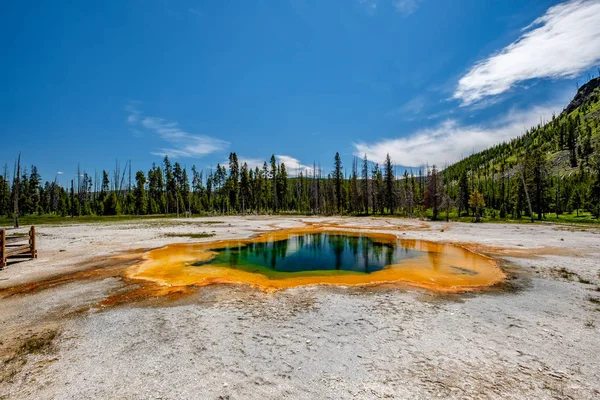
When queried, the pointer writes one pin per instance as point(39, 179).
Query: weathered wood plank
point(17, 246)
point(2, 245)
point(12, 250)
point(33, 242)
point(16, 239)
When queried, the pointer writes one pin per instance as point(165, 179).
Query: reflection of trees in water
point(365, 246)
point(279, 251)
point(409, 244)
point(377, 250)
point(353, 244)
point(389, 255)
point(322, 250)
point(245, 251)
point(273, 254)
point(234, 253)
point(337, 244)
point(263, 249)
point(434, 258)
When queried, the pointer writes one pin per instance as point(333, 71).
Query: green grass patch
point(489, 216)
point(493, 216)
point(51, 219)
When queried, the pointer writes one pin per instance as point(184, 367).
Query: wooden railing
point(11, 246)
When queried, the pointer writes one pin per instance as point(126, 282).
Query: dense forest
point(553, 168)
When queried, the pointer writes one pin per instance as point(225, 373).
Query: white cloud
point(406, 7)
point(251, 162)
point(562, 43)
point(450, 141)
point(59, 173)
point(181, 143)
point(293, 166)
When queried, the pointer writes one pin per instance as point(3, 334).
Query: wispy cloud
point(181, 143)
point(197, 12)
point(450, 141)
point(370, 6)
point(59, 173)
point(410, 108)
point(562, 43)
point(406, 7)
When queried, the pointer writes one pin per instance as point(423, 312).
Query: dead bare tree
point(17, 176)
point(526, 191)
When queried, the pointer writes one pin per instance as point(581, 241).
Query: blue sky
point(425, 80)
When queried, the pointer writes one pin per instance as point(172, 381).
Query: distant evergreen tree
point(338, 177)
point(389, 182)
point(245, 185)
point(463, 196)
point(354, 190)
point(171, 190)
point(141, 203)
point(477, 203)
point(112, 207)
point(273, 176)
point(365, 184)
point(594, 190)
point(282, 186)
point(434, 191)
point(233, 182)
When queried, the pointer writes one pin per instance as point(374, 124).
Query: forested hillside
point(557, 160)
point(552, 168)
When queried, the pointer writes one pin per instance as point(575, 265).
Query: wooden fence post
point(32, 242)
point(2, 248)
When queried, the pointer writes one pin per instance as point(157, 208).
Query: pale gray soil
point(536, 337)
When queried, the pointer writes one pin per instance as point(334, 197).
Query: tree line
point(553, 168)
point(524, 189)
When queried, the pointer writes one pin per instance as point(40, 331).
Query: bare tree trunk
point(16, 193)
point(526, 193)
point(557, 195)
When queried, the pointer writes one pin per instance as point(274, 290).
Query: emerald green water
point(311, 254)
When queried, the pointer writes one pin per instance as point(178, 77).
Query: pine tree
point(477, 203)
point(245, 184)
point(34, 190)
point(463, 197)
point(282, 187)
point(141, 203)
point(170, 185)
point(434, 191)
point(355, 193)
point(338, 178)
point(389, 184)
point(365, 184)
point(233, 183)
point(273, 176)
point(594, 191)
